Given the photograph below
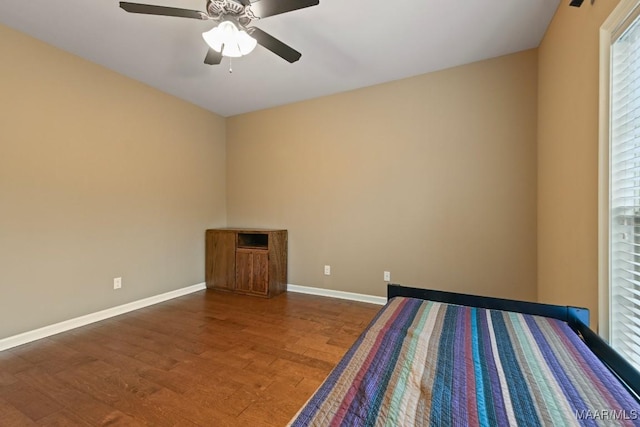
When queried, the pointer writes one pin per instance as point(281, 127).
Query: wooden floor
point(208, 359)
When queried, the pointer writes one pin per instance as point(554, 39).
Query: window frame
point(621, 17)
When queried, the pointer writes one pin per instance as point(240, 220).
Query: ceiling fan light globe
point(227, 30)
point(232, 50)
point(213, 39)
point(246, 43)
point(224, 34)
point(228, 40)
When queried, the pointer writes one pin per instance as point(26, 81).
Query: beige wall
point(568, 156)
point(100, 177)
point(432, 178)
point(481, 178)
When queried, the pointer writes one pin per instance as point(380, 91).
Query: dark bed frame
point(576, 317)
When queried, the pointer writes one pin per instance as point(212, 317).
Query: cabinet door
point(260, 283)
point(252, 271)
point(244, 270)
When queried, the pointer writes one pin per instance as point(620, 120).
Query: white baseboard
point(66, 325)
point(46, 331)
point(337, 294)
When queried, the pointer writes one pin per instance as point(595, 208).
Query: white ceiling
point(345, 44)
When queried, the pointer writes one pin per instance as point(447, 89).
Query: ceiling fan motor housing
point(222, 9)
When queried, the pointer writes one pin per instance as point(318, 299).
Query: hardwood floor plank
point(123, 392)
point(63, 418)
point(332, 358)
point(208, 358)
point(12, 363)
point(53, 356)
point(300, 369)
point(28, 400)
point(81, 404)
point(12, 416)
point(280, 402)
point(6, 378)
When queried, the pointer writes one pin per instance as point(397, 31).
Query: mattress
point(423, 363)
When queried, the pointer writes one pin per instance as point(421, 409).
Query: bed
point(442, 359)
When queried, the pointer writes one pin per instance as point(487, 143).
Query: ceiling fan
point(231, 37)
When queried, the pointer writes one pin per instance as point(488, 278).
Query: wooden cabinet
point(249, 261)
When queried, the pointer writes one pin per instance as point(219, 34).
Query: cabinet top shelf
point(248, 230)
point(253, 248)
point(253, 240)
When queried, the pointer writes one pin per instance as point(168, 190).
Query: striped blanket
point(425, 363)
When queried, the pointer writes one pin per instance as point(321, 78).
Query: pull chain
point(230, 69)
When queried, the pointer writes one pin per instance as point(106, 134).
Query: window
point(621, 52)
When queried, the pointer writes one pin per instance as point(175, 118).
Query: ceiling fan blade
point(274, 45)
point(213, 57)
point(264, 8)
point(149, 9)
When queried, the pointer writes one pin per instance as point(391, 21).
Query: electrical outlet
point(387, 276)
point(117, 283)
point(327, 270)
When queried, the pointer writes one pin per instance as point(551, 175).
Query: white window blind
point(624, 194)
